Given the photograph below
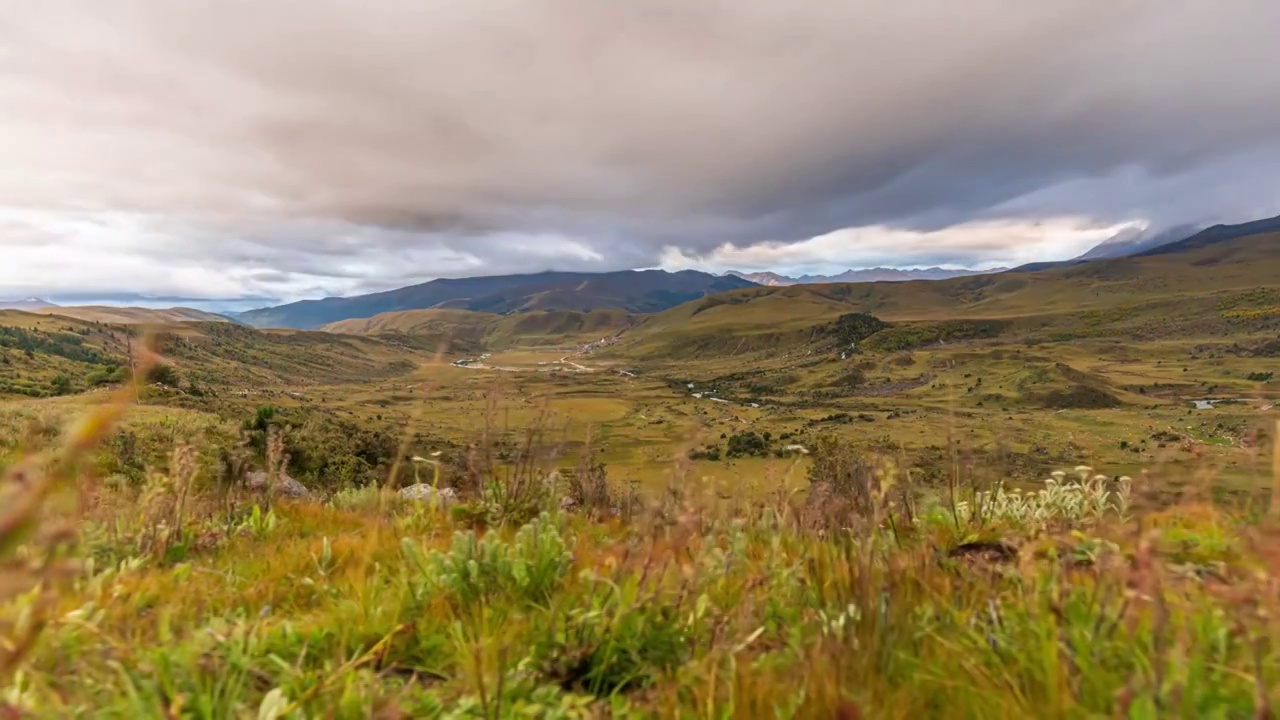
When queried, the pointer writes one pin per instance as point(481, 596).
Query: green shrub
point(60, 385)
point(476, 571)
point(747, 444)
point(164, 375)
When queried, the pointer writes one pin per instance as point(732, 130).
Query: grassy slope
point(468, 331)
point(131, 315)
point(1207, 283)
point(200, 605)
point(219, 354)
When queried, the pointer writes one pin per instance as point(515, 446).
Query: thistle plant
point(1081, 497)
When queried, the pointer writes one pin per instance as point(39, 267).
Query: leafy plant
point(477, 571)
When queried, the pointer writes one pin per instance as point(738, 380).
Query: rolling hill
point(43, 355)
point(130, 315)
point(1197, 286)
point(470, 331)
point(643, 291)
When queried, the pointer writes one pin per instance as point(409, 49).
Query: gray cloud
point(325, 146)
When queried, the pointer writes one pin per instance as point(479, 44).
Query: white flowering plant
point(1064, 499)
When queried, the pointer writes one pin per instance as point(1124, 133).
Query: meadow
point(798, 503)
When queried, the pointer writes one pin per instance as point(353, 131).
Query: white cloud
point(288, 147)
point(978, 245)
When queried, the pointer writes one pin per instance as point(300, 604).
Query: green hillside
point(131, 315)
point(45, 355)
point(463, 331)
point(1229, 285)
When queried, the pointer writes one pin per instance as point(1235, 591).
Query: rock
point(285, 486)
point(426, 493)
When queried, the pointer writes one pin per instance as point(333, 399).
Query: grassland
point(130, 315)
point(466, 330)
point(796, 502)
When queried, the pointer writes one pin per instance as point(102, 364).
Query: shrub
point(107, 375)
point(60, 385)
point(621, 641)
point(842, 477)
point(477, 571)
point(590, 490)
point(711, 452)
point(324, 451)
point(163, 375)
point(747, 444)
point(852, 328)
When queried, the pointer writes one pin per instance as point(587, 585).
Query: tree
point(163, 375)
point(61, 385)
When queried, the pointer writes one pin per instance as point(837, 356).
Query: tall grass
point(865, 596)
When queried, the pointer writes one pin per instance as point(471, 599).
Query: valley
point(1009, 375)
point(746, 446)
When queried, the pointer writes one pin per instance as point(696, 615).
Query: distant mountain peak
point(637, 291)
point(29, 303)
point(876, 274)
point(1135, 240)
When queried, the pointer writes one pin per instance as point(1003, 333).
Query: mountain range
point(628, 291)
point(1138, 243)
point(28, 304)
point(878, 274)
point(651, 291)
point(636, 291)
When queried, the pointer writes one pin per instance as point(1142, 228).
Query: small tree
point(61, 385)
point(163, 375)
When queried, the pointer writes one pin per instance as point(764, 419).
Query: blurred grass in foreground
point(182, 596)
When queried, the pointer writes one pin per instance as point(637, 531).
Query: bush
point(164, 375)
point(107, 376)
point(747, 444)
point(852, 378)
point(475, 572)
point(841, 477)
point(853, 328)
point(324, 451)
point(707, 453)
point(60, 385)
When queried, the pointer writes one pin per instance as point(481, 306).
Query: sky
point(241, 153)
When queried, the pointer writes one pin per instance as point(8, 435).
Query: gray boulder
point(423, 492)
point(284, 486)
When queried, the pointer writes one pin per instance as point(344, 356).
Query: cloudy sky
point(259, 149)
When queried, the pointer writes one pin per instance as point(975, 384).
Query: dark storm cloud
point(332, 146)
